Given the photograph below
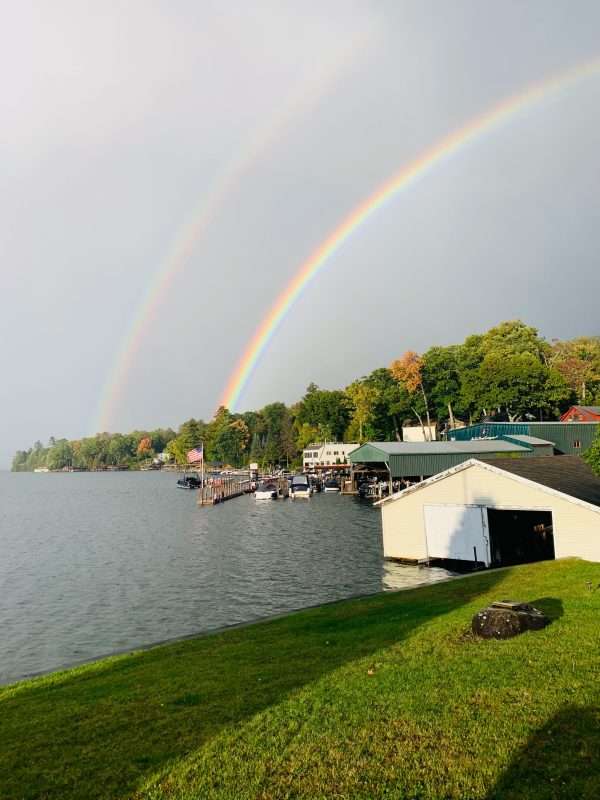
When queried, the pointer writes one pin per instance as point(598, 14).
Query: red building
point(582, 414)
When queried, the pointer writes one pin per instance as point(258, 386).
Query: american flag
point(196, 455)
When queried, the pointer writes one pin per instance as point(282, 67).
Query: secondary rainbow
point(300, 101)
point(406, 177)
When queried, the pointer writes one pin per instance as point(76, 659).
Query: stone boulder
point(505, 619)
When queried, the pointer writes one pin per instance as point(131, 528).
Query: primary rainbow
point(407, 176)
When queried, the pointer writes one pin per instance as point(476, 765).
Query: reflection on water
point(97, 563)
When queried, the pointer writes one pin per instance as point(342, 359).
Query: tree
point(514, 338)
point(189, 435)
point(578, 361)
point(592, 455)
point(507, 371)
point(277, 433)
point(519, 384)
point(391, 405)
point(408, 370)
point(441, 378)
point(144, 448)
point(121, 449)
point(230, 442)
point(306, 434)
point(362, 396)
point(325, 410)
point(60, 455)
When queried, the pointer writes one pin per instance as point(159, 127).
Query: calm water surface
point(96, 563)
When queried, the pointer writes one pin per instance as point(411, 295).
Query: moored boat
point(266, 491)
point(189, 482)
point(300, 487)
point(331, 485)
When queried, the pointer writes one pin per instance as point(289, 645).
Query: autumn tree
point(408, 370)
point(578, 361)
point(144, 448)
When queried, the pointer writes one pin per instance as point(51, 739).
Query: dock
point(221, 489)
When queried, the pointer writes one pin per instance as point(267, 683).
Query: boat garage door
point(457, 533)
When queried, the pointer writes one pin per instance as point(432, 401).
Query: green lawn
point(388, 696)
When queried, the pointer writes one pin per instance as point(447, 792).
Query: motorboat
point(300, 487)
point(266, 491)
point(189, 482)
point(331, 485)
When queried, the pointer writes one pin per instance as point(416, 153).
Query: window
point(577, 444)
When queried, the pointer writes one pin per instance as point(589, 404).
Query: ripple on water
point(95, 563)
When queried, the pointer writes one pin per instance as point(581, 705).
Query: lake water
point(92, 564)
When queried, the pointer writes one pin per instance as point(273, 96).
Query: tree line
point(508, 373)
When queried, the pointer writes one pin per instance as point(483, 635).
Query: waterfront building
point(414, 461)
point(581, 414)
point(497, 513)
point(572, 438)
point(419, 433)
point(327, 454)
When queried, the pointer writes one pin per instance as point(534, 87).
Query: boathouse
point(497, 513)
point(568, 438)
point(414, 461)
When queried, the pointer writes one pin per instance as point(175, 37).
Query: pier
point(221, 489)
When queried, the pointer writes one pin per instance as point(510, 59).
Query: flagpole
point(202, 478)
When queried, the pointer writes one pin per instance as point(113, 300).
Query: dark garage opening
point(520, 537)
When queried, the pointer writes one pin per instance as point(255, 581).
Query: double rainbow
point(408, 175)
point(301, 100)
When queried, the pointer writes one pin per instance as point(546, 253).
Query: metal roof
point(568, 476)
point(440, 448)
point(532, 440)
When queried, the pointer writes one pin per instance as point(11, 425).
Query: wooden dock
point(221, 489)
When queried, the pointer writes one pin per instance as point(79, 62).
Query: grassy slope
point(382, 697)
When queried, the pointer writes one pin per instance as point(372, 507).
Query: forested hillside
point(509, 373)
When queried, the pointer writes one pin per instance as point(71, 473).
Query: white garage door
point(453, 532)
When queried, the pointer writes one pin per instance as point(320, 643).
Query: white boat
point(41, 469)
point(300, 487)
point(331, 486)
point(266, 491)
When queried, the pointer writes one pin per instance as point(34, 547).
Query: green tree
point(230, 442)
point(441, 378)
point(306, 434)
point(325, 410)
point(518, 384)
point(363, 396)
point(190, 434)
point(592, 455)
point(60, 455)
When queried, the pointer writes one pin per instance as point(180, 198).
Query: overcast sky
point(119, 120)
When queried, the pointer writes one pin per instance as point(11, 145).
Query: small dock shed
point(497, 513)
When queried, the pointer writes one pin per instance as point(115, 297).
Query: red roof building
point(582, 414)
